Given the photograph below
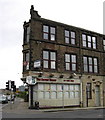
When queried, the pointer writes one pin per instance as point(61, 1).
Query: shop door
point(97, 96)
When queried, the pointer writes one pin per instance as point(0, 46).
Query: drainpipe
point(81, 99)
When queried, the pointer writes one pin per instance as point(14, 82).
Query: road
point(20, 110)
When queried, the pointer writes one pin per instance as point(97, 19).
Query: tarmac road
point(20, 110)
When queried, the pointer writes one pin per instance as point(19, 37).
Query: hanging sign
point(31, 80)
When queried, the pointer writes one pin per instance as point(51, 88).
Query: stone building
point(65, 62)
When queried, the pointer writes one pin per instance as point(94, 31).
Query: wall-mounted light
point(51, 75)
point(40, 74)
point(61, 76)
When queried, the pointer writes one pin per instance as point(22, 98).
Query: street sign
point(31, 80)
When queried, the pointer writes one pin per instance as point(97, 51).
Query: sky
point(87, 14)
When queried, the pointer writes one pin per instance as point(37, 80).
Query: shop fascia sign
point(37, 64)
point(31, 80)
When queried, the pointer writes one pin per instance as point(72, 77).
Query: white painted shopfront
point(54, 92)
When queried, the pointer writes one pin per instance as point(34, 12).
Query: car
point(10, 97)
point(3, 99)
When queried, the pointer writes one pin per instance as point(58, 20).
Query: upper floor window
point(48, 33)
point(49, 59)
point(70, 62)
point(26, 61)
point(26, 34)
point(90, 64)
point(69, 37)
point(89, 41)
point(104, 44)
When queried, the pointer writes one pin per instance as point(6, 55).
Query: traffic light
point(7, 85)
point(14, 88)
point(12, 84)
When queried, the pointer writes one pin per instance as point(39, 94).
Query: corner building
point(66, 62)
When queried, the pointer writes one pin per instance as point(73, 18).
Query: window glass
point(84, 43)
point(46, 87)
point(94, 42)
point(83, 37)
point(76, 94)
point(53, 56)
point(66, 95)
point(67, 57)
point(71, 87)
point(85, 60)
point(59, 87)
point(73, 57)
point(53, 95)
point(45, 36)
point(90, 69)
point(73, 67)
point(53, 37)
point(66, 87)
point(89, 38)
point(52, 30)
point(72, 34)
point(95, 69)
point(67, 66)
point(28, 30)
point(84, 40)
point(41, 86)
point(41, 95)
point(66, 40)
point(45, 55)
point(59, 95)
point(45, 28)
point(90, 60)
point(73, 41)
point(53, 87)
point(67, 33)
point(103, 42)
point(72, 94)
point(85, 68)
point(95, 61)
point(94, 45)
point(77, 87)
point(45, 64)
point(53, 65)
point(27, 57)
point(47, 95)
point(94, 39)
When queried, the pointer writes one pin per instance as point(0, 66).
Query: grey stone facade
point(37, 44)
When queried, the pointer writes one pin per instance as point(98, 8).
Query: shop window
point(53, 95)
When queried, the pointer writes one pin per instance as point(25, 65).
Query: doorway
point(97, 95)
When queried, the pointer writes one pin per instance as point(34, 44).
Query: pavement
point(20, 106)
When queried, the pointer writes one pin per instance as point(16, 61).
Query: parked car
point(10, 97)
point(3, 99)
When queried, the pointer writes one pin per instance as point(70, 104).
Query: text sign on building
point(37, 64)
point(31, 80)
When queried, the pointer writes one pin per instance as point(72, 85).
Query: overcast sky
point(87, 14)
